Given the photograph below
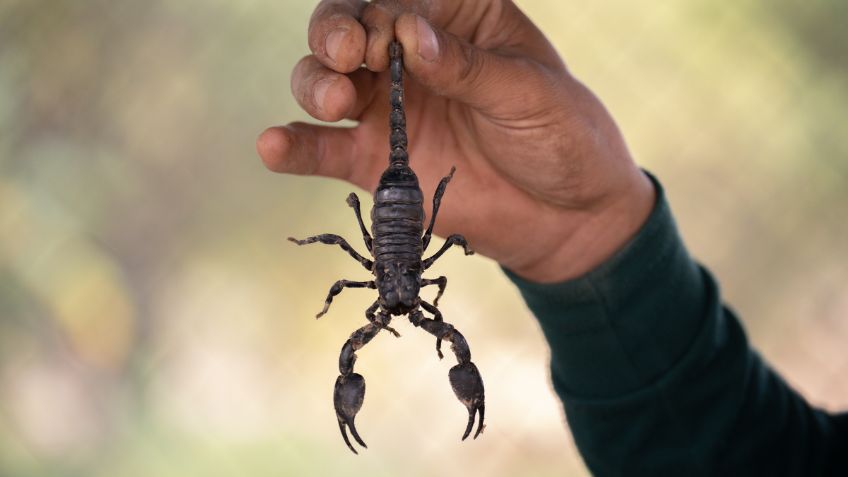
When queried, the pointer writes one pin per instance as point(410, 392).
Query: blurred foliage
point(154, 322)
point(816, 28)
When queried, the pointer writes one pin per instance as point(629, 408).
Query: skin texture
point(544, 183)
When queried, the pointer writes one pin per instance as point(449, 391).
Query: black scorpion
point(397, 222)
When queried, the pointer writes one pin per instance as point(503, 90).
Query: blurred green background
point(155, 322)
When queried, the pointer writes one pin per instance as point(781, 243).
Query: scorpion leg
point(454, 239)
point(437, 201)
point(332, 239)
point(437, 316)
point(353, 201)
point(441, 281)
point(464, 377)
point(370, 313)
point(338, 287)
point(349, 391)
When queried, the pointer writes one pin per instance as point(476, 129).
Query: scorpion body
point(397, 246)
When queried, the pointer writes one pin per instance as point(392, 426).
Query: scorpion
point(397, 246)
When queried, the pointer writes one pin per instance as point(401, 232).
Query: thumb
point(492, 83)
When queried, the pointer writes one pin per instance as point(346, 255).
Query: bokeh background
point(155, 322)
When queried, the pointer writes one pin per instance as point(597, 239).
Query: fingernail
point(320, 91)
point(428, 44)
point(333, 42)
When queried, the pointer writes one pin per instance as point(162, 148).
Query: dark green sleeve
point(657, 376)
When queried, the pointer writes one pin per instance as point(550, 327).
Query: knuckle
point(331, 15)
point(376, 16)
point(326, 9)
point(379, 31)
point(302, 80)
point(319, 24)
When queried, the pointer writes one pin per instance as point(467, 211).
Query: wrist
point(593, 236)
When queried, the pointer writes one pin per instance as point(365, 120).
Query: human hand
point(544, 183)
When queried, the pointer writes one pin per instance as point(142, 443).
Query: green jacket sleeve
point(657, 376)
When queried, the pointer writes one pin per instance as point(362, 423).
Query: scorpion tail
point(397, 118)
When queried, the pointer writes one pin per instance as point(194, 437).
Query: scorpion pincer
point(397, 246)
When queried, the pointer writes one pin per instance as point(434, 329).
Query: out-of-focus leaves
point(818, 27)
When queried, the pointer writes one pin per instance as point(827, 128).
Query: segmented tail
point(397, 118)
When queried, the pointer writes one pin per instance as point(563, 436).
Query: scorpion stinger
point(397, 246)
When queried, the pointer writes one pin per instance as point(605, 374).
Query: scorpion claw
point(356, 434)
point(344, 435)
point(481, 411)
point(348, 395)
point(468, 387)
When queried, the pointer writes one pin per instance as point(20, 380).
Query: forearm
point(657, 376)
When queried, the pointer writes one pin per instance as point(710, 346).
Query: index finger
point(336, 36)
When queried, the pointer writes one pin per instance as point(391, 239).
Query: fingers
point(335, 35)
point(330, 96)
point(453, 67)
point(345, 33)
point(321, 92)
point(308, 149)
point(379, 24)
